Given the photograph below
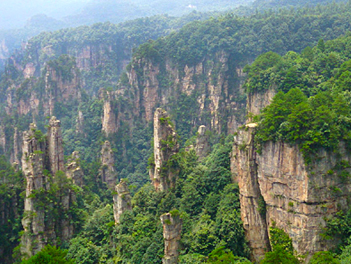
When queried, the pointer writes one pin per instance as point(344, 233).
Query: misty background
point(66, 13)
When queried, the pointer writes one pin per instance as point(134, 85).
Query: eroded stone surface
point(202, 146)
point(163, 174)
point(43, 153)
point(122, 201)
point(172, 229)
point(298, 198)
point(108, 172)
point(73, 169)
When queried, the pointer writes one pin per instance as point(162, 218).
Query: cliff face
point(55, 85)
point(163, 174)
point(277, 186)
point(108, 172)
point(60, 88)
point(244, 167)
point(211, 93)
point(172, 229)
point(122, 201)
point(42, 154)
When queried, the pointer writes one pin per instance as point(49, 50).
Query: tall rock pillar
point(55, 146)
point(172, 229)
point(202, 147)
point(122, 201)
point(253, 212)
point(107, 172)
point(33, 163)
point(163, 173)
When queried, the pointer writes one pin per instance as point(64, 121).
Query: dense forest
point(93, 170)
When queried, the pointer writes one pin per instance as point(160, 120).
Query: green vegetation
point(205, 199)
point(49, 255)
point(11, 203)
point(312, 105)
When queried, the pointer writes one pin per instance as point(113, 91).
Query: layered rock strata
point(163, 172)
point(122, 201)
point(172, 229)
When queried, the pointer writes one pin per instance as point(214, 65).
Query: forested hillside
point(196, 139)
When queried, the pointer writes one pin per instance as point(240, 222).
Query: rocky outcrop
point(33, 163)
point(2, 140)
point(202, 146)
point(80, 123)
point(163, 172)
point(109, 119)
point(277, 186)
point(73, 169)
point(42, 165)
point(122, 201)
point(55, 146)
point(16, 147)
point(172, 229)
point(60, 86)
point(212, 90)
point(108, 172)
point(257, 101)
point(244, 168)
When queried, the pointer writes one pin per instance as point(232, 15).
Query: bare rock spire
point(122, 200)
point(172, 229)
point(163, 173)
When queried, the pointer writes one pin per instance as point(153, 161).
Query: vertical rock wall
point(33, 163)
point(108, 172)
point(172, 229)
point(55, 146)
point(73, 169)
point(277, 186)
point(244, 168)
point(44, 153)
point(163, 175)
point(202, 146)
point(122, 201)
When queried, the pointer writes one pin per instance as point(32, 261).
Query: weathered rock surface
point(33, 163)
point(122, 201)
point(73, 169)
point(202, 146)
point(16, 147)
point(277, 186)
point(244, 167)
point(42, 153)
point(163, 174)
point(214, 88)
point(172, 229)
point(55, 146)
point(108, 172)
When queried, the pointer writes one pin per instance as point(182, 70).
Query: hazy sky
point(15, 13)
